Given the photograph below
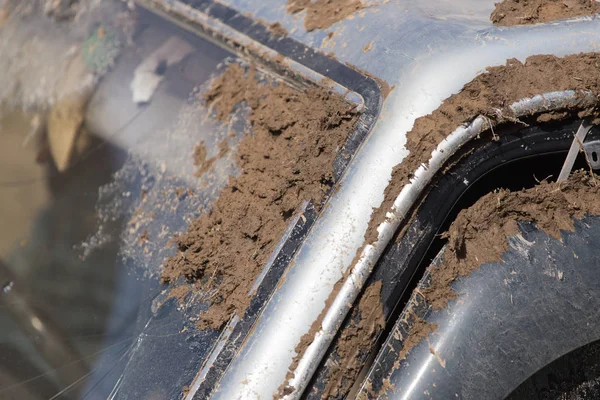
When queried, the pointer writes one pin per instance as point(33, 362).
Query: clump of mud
point(490, 94)
point(479, 233)
point(321, 14)
point(278, 29)
point(355, 342)
point(366, 323)
point(419, 331)
point(523, 12)
point(286, 159)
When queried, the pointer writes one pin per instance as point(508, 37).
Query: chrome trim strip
point(261, 365)
point(208, 364)
point(400, 210)
point(442, 59)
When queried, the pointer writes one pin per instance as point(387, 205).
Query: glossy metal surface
point(428, 49)
point(443, 57)
point(400, 210)
point(511, 318)
point(592, 150)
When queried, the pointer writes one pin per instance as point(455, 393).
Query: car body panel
point(426, 50)
point(441, 61)
point(511, 319)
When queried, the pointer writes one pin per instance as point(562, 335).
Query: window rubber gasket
point(403, 262)
point(365, 86)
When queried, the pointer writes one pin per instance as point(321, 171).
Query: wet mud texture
point(286, 159)
point(479, 233)
point(490, 94)
point(523, 12)
point(321, 14)
point(367, 322)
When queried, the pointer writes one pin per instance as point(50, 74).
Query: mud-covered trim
point(315, 62)
point(404, 203)
point(404, 259)
point(515, 13)
point(351, 79)
point(524, 342)
point(400, 262)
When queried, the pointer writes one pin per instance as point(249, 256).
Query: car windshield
point(98, 122)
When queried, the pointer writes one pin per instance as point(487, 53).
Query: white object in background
point(146, 76)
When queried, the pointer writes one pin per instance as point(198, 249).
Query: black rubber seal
point(471, 176)
point(329, 67)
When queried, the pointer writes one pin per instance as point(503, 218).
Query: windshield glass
point(98, 123)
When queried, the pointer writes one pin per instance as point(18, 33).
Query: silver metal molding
point(400, 210)
point(261, 365)
point(428, 56)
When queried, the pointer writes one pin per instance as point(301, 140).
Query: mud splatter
point(489, 94)
point(479, 233)
point(278, 29)
point(356, 340)
point(201, 159)
point(287, 159)
point(367, 322)
point(523, 12)
point(321, 14)
point(419, 331)
point(308, 338)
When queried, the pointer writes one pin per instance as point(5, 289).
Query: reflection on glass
point(98, 122)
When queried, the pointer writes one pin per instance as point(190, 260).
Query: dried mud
point(355, 340)
point(321, 14)
point(490, 94)
point(419, 331)
point(524, 12)
point(479, 233)
point(286, 159)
